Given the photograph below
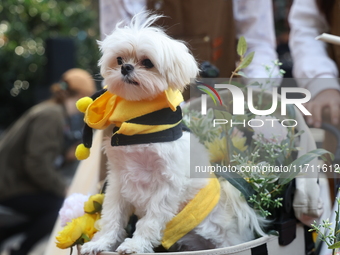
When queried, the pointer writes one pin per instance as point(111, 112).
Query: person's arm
point(311, 60)
point(44, 143)
point(254, 20)
point(309, 55)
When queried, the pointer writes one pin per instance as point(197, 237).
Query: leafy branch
point(326, 233)
point(244, 60)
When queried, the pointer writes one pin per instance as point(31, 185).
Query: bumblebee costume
point(136, 122)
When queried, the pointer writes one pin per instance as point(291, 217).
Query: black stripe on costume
point(87, 136)
point(98, 94)
point(87, 130)
point(167, 135)
point(164, 116)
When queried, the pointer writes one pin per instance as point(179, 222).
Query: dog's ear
point(182, 66)
point(106, 58)
point(102, 61)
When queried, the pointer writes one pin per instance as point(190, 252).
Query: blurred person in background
point(29, 181)
point(210, 28)
point(316, 65)
point(314, 59)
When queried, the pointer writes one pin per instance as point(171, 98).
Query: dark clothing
point(41, 211)
point(28, 151)
point(208, 28)
point(29, 181)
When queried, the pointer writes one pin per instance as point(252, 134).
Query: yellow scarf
point(111, 109)
point(135, 121)
point(192, 214)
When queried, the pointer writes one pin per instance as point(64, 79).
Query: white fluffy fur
point(153, 180)
point(174, 65)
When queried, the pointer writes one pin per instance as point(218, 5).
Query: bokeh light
point(19, 50)
point(33, 67)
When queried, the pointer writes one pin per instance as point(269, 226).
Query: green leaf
point(295, 166)
point(97, 206)
point(241, 46)
point(291, 111)
point(334, 246)
point(246, 61)
point(238, 182)
point(255, 83)
point(240, 73)
point(81, 240)
point(85, 237)
point(222, 115)
point(225, 116)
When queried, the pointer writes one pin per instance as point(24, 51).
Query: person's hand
point(329, 98)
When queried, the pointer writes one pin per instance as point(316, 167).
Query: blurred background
point(40, 39)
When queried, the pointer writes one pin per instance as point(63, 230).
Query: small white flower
point(72, 208)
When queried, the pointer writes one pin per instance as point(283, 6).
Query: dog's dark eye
point(147, 63)
point(119, 61)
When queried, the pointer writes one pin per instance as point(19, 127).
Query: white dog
point(152, 180)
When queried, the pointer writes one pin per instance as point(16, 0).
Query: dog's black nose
point(126, 69)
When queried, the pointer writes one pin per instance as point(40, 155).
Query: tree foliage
point(25, 25)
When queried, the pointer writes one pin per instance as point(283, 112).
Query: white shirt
point(253, 20)
point(310, 56)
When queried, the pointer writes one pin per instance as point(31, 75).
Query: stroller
point(294, 237)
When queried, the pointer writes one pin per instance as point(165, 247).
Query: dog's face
point(140, 61)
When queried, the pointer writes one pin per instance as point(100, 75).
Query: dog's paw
point(130, 246)
point(93, 248)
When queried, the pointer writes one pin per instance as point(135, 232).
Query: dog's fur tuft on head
point(157, 62)
point(153, 180)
